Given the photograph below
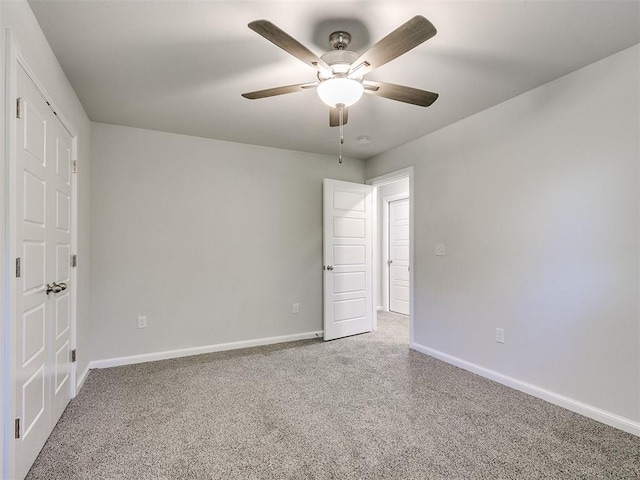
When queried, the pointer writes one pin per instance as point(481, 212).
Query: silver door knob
point(389, 262)
point(56, 287)
point(329, 267)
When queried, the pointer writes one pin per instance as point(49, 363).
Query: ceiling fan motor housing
point(339, 40)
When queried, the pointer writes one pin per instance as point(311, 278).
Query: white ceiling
point(180, 66)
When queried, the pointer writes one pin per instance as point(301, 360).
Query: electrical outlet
point(440, 250)
point(500, 335)
point(142, 322)
point(296, 308)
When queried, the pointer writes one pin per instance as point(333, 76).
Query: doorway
point(393, 248)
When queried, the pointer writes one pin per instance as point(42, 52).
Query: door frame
point(13, 61)
point(380, 181)
point(385, 246)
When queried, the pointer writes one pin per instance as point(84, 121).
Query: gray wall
point(537, 202)
point(213, 241)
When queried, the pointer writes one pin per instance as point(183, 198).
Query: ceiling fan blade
point(400, 41)
point(400, 93)
point(272, 92)
point(334, 116)
point(289, 44)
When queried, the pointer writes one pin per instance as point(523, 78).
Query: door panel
point(401, 293)
point(348, 227)
point(33, 333)
point(399, 256)
point(35, 128)
point(344, 255)
point(62, 315)
point(62, 265)
point(34, 189)
point(348, 280)
point(34, 404)
point(400, 274)
point(63, 161)
point(349, 201)
point(62, 367)
point(43, 233)
point(33, 265)
point(63, 212)
point(349, 310)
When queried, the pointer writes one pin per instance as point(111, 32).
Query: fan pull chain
point(341, 109)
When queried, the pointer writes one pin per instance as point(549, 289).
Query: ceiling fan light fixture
point(340, 90)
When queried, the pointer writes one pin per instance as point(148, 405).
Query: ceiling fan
point(340, 72)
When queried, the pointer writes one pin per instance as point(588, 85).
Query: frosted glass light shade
point(336, 91)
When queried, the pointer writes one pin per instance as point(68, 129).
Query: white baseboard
point(380, 308)
point(594, 413)
point(187, 352)
point(82, 378)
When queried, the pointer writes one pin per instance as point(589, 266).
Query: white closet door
point(43, 201)
point(61, 257)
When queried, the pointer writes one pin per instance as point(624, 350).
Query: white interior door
point(348, 259)
point(399, 276)
point(61, 270)
point(43, 232)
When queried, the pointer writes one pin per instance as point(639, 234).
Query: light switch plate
point(440, 250)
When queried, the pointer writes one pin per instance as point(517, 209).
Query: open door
point(348, 258)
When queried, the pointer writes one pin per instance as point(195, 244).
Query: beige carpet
point(364, 407)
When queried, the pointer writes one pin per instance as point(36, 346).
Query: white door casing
point(347, 253)
point(398, 258)
point(43, 202)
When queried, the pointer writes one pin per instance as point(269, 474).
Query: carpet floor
point(363, 407)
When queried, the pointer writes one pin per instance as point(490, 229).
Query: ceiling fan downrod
point(340, 107)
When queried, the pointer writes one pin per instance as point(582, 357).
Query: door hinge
point(74, 260)
point(19, 108)
point(73, 355)
point(74, 166)
point(17, 432)
point(18, 270)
